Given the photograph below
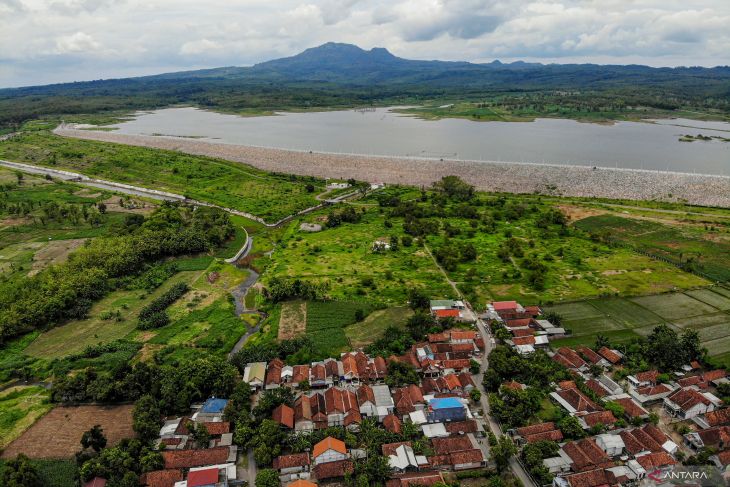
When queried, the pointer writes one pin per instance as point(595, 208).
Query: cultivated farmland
point(58, 433)
point(621, 319)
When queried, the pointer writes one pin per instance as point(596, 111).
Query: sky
point(50, 41)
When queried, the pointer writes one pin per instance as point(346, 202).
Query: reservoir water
point(636, 145)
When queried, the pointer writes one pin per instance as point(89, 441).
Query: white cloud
point(199, 47)
point(76, 43)
point(45, 41)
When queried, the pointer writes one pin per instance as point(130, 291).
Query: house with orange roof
point(687, 403)
point(284, 415)
point(329, 450)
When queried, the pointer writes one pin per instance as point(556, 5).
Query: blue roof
point(445, 403)
point(214, 405)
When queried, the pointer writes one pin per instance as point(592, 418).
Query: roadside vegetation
point(225, 183)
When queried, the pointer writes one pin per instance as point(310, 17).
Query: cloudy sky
point(46, 41)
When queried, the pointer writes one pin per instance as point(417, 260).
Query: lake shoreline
point(509, 177)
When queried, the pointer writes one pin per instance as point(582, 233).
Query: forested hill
point(341, 74)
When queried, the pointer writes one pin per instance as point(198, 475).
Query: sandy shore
point(488, 176)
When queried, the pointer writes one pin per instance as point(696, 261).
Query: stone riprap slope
point(580, 181)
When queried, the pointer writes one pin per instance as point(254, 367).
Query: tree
point(19, 472)
point(602, 341)
point(571, 428)
point(475, 395)
point(553, 317)
point(503, 451)
point(454, 188)
point(146, 418)
point(267, 478)
point(101, 207)
point(400, 374)
point(199, 433)
point(94, 439)
point(417, 300)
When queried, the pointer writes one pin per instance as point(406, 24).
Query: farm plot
point(624, 311)
point(576, 311)
point(371, 328)
point(58, 433)
point(713, 333)
point(326, 322)
point(709, 296)
point(718, 347)
point(674, 306)
point(20, 407)
point(293, 319)
point(698, 322)
point(722, 290)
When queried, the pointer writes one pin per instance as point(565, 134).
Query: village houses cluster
point(344, 391)
point(619, 455)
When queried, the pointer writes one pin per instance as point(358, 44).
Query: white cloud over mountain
point(44, 41)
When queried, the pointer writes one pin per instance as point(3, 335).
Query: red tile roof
point(718, 417)
point(591, 478)
point(518, 323)
point(284, 415)
point(599, 417)
point(291, 461)
point(596, 387)
point(329, 443)
point(631, 409)
point(609, 355)
point(642, 439)
point(521, 332)
point(589, 355)
point(218, 428)
point(536, 428)
point(96, 482)
point(365, 394)
point(654, 390)
point(330, 470)
point(392, 423)
point(444, 446)
point(463, 335)
point(302, 483)
point(438, 337)
point(513, 385)
point(527, 340)
point(648, 376)
point(425, 479)
point(554, 435)
point(686, 399)
point(195, 458)
point(586, 455)
point(579, 401)
point(717, 437)
point(714, 375)
point(161, 478)
point(504, 305)
point(467, 426)
point(571, 357)
point(300, 373)
point(458, 364)
point(199, 478)
point(447, 313)
point(655, 460)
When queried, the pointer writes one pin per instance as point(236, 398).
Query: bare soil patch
point(58, 433)
point(293, 320)
point(54, 252)
point(575, 213)
point(130, 206)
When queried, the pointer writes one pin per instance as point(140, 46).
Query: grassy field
point(326, 322)
point(222, 182)
point(372, 327)
point(621, 319)
point(20, 407)
point(704, 248)
point(344, 258)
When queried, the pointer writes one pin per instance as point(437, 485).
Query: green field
point(226, 183)
point(697, 247)
point(344, 258)
point(372, 327)
point(326, 322)
point(20, 407)
point(621, 319)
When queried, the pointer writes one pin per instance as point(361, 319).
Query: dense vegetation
point(336, 75)
point(68, 290)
